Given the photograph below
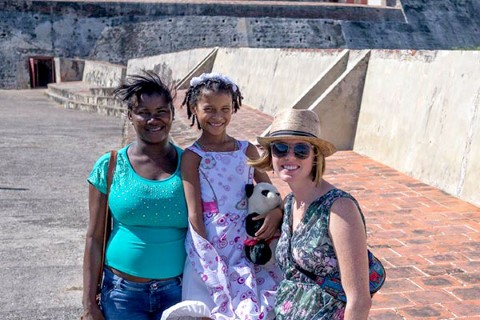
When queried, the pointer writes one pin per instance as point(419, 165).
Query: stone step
point(70, 100)
point(75, 90)
point(102, 91)
point(110, 102)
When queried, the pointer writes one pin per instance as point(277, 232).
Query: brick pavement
point(429, 241)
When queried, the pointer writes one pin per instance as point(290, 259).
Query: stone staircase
point(94, 93)
point(79, 95)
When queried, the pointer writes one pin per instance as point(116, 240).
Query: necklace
point(209, 149)
point(203, 147)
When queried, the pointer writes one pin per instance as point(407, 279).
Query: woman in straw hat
point(323, 232)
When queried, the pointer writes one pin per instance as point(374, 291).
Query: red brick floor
point(428, 240)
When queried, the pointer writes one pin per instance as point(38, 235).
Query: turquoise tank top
point(149, 219)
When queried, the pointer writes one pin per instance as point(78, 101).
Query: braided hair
point(149, 83)
point(213, 82)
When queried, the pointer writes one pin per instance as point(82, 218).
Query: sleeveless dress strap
point(327, 200)
point(336, 194)
point(195, 148)
point(243, 145)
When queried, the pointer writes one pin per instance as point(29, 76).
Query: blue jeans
point(123, 299)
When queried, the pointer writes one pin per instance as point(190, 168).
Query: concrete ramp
point(336, 97)
point(324, 81)
point(420, 114)
point(204, 66)
point(273, 79)
point(338, 107)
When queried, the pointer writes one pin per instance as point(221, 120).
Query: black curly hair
point(149, 83)
point(213, 85)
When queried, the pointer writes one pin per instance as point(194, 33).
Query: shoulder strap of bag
point(333, 285)
point(108, 221)
point(342, 194)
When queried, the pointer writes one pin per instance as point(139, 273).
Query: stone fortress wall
point(116, 31)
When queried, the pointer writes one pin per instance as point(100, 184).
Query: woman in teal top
point(145, 253)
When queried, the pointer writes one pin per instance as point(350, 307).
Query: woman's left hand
point(271, 224)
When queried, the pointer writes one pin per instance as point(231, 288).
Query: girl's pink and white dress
point(217, 272)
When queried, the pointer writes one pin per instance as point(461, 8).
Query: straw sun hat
point(298, 124)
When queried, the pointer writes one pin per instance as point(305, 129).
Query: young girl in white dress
point(215, 173)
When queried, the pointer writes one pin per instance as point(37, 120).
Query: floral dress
point(310, 245)
point(217, 272)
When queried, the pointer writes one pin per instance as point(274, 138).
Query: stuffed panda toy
point(262, 198)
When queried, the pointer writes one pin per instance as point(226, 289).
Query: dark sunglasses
point(300, 150)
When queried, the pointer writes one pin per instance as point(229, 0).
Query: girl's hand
point(271, 224)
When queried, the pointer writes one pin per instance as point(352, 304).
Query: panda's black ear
point(249, 189)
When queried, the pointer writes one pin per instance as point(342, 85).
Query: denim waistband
point(153, 284)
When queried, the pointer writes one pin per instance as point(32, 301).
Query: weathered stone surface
point(69, 69)
point(118, 31)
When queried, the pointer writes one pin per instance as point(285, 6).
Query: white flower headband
point(212, 76)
